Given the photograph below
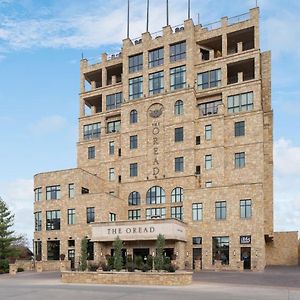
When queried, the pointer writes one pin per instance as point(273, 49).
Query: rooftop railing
point(239, 18)
point(212, 26)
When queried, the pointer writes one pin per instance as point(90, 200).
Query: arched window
point(177, 195)
point(134, 198)
point(178, 107)
point(133, 116)
point(155, 195)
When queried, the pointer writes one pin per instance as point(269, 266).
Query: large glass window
point(38, 194)
point(113, 126)
point(90, 214)
point(53, 250)
point(90, 250)
point(177, 51)
point(177, 212)
point(220, 210)
point(113, 101)
point(178, 134)
point(240, 102)
point(71, 190)
point(134, 214)
point(239, 128)
point(208, 162)
point(177, 195)
point(177, 78)
point(53, 220)
point(220, 249)
point(38, 221)
point(208, 132)
point(156, 83)
point(209, 108)
point(53, 192)
point(178, 108)
point(239, 160)
point(133, 168)
point(155, 195)
point(197, 212)
point(91, 152)
point(135, 88)
point(133, 141)
point(209, 79)
point(135, 63)
point(245, 208)
point(179, 164)
point(91, 131)
point(133, 117)
point(71, 216)
point(156, 213)
point(134, 198)
point(156, 57)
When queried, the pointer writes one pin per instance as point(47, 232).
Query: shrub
point(130, 267)
point(138, 262)
point(20, 270)
point(150, 261)
point(110, 262)
point(171, 268)
point(93, 267)
point(118, 259)
point(145, 268)
point(83, 257)
point(4, 265)
point(159, 258)
point(105, 267)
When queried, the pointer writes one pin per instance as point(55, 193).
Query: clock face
point(156, 110)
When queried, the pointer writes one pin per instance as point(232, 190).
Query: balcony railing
point(239, 18)
point(212, 26)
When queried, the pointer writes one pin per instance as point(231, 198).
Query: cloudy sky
point(41, 43)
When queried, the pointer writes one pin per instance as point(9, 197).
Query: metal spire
point(128, 19)
point(189, 9)
point(147, 24)
point(167, 9)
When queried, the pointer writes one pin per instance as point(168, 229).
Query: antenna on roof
point(198, 19)
point(167, 9)
point(189, 9)
point(128, 19)
point(81, 55)
point(147, 24)
point(256, 3)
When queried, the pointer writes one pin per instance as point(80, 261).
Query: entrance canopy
point(139, 230)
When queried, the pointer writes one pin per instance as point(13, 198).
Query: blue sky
point(41, 42)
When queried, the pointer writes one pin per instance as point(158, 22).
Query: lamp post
point(153, 253)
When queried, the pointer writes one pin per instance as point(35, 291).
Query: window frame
point(133, 169)
point(178, 78)
point(220, 210)
point(197, 211)
point(178, 134)
point(90, 215)
point(179, 164)
point(135, 88)
point(135, 63)
point(156, 83)
point(155, 195)
point(239, 160)
point(178, 51)
point(245, 208)
point(156, 57)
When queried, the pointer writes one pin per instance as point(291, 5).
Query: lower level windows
point(71, 216)
point(134, 214)
point(53, 250)
point(91, 152)
point(220, 249)
point(156, 213)
point(133, 170)
point(177, 212)
point(38, 221)
point(245, 208)
point(90, 214)
point(197, 211)
point(239, 160)
point(220, 210)
point(53, 220)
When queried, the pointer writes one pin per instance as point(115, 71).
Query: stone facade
point(208, 172)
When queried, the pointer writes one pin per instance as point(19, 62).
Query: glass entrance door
point(246, 257)
point(71, 257)
point(197, 255)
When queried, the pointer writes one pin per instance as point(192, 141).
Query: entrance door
point(169, 252)
point(143, 252)
point(71, 257)
point(197, 254)
point(246, 257)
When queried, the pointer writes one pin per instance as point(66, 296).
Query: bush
point(171, 268)
point(4, 265)
point(105, 267)
point(118, 260)
point(167, 262)
point(93, 267)
point(145, 268)
point(20, 270)
point(149, 261)
point(130, 266)
point(138, 262)
point(110, 262)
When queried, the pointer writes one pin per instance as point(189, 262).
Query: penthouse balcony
point(241, 71)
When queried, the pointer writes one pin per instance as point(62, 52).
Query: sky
point(41, 43)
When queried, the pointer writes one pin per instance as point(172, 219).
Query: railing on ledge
point(114, 56)
point(157, 34)
point(212, 26)
point(239, 18)
point(94, 60)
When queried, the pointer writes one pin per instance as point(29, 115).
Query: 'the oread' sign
point(143, 231)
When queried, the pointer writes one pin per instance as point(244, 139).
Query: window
point(245, 208)
point(71, 216)
point(209, 108)
point(120, 152)
point(220, 249)
point(178, 108)
point(90, 250)
point(134, 198)
point(198, 140)
point(133, 117)
point(111, 174)
point(53, 250)
point(179, 134)
point(91, 152)
point(53, 220)
point(208, 161)
point(135, 88)
point(156, 57)
point(38, 221)
point(208, 184)
point(84, 190)
point(220, 210)
point(241, 102)
point(71, 190)
point(198, 170)
point(38, 194)
point(111, 148)
point(177, 51)
point(133, 142)
point(156, 83)
point(179, 164)
point(239, 128)
point(197, 212)
point(71, 243)
point(135, 63)
point(133, 169)
point(177, 78)
point(177, 212)
point(209, 79)
point(53, 192)
point(208, 132)
point(112, 217)
point(155, 195)
point(91, 131)
point(177, 195)
point(156, 213)
point(239, 160)
point(197, 240)
point(113, 126)
point(90, 214)
point(134, 214)
point(113, 101)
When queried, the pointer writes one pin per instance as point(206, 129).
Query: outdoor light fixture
point(233, 252)
point(187, 253)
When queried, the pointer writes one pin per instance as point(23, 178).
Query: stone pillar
point(113, 79)
point(39, 266)
point(12, 269)
point(240, 47)
point(240, 77)
point(182, 260)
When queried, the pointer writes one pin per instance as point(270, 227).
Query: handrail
point(239, 18)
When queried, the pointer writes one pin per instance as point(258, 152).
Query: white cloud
point(48, 124)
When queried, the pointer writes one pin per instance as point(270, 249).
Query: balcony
point(210, 49)
point(240, 41)
point(240, 71)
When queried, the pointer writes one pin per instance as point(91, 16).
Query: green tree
point(118, 259)
point(84, 254)
point(159, 258)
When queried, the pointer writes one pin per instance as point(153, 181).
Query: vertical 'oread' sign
point(155, 111)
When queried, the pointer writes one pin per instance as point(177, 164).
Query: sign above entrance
point(139, 231)
point(245, 239)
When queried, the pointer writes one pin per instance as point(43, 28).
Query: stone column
point(12, 269)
